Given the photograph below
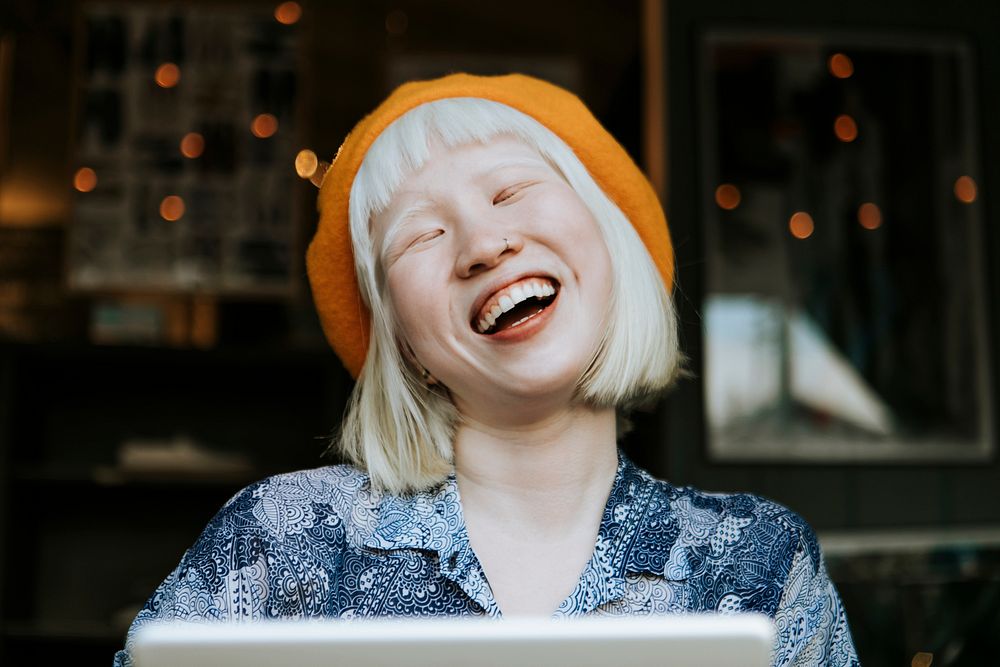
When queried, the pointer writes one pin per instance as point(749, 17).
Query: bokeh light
point(727, 196)
point(965, 189)
point(845, 128)
point(288, 13)
point(306, 163)
point(192, 145)
point(172, 208)
point(85, 179)
point(264, 126)
point(801, 225)
point(840, 66)
point(168, 75)
point(869, 216)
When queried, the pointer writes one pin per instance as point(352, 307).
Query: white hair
point(399, 429)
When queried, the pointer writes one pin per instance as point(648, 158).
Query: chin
point(539, 379)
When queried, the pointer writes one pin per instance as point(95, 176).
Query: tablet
point(697, 640)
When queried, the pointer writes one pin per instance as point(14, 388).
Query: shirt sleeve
point(810, 623)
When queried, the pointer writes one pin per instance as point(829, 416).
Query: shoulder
point(302, 517)
point(291, 503)
point(742, 537)
point(741, 522)
point(270, 551)
point(740, 549)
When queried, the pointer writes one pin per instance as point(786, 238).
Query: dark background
point(78, 551)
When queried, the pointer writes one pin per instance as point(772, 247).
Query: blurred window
point(184, 150)
point(844, 313)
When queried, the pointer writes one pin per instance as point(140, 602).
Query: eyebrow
point(425, 204)
point(415, 209)
point(514, 162)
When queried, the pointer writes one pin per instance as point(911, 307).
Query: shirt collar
point(638, 533)
point(430, 520)
point(433, 521)
point(640, 526)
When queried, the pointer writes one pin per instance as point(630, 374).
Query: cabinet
point(115, 458)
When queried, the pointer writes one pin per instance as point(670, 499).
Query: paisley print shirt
point(322, 543)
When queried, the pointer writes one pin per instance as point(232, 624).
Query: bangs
point(405, 145)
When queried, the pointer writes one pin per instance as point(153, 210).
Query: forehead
point(466, 164)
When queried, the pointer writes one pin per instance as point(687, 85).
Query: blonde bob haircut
point(397, 427)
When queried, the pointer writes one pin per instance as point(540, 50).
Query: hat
point(330, 259)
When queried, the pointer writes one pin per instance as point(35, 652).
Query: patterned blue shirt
point(323, 543)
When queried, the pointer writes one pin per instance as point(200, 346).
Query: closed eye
point(428, 236)
point(507, 193)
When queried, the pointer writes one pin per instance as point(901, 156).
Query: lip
point(499, 283)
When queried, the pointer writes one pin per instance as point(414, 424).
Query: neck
point(543, 476)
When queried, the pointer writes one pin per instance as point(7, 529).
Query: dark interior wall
point(829, 496)
point(347, 48)
point(350, 52)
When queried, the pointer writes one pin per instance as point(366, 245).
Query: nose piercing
point(506, 245)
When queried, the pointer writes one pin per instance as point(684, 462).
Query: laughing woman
point(496, 273)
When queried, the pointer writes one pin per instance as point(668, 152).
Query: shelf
point(111, 476)
point(235, 354)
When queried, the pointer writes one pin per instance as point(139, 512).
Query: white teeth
point(515, 295)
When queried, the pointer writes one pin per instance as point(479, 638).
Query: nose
point(485, 248)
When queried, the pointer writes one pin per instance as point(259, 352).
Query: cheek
point(411, 294)
point(404, 309)
point(587, 244)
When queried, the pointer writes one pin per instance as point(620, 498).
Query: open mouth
point(515, 304)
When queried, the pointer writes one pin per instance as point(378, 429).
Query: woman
point(495, 271)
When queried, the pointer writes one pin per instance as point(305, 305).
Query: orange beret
point(330, 259)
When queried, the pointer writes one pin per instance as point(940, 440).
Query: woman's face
point(498, 275)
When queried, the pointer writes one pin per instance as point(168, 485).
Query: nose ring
point(506, 246)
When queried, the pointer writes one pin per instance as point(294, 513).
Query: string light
point(288, 13)
point(840, 66)
point(310, 167)
point(801, 225)
point(306, 163)
point(869, 216)
point(727, 196)
point(172, 208)
point(845, 128)
point(192, 145)
point(85, 179)
point(965, 189)
point(168, 75)
point(264, 126)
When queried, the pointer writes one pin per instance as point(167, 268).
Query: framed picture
point(844, 314)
